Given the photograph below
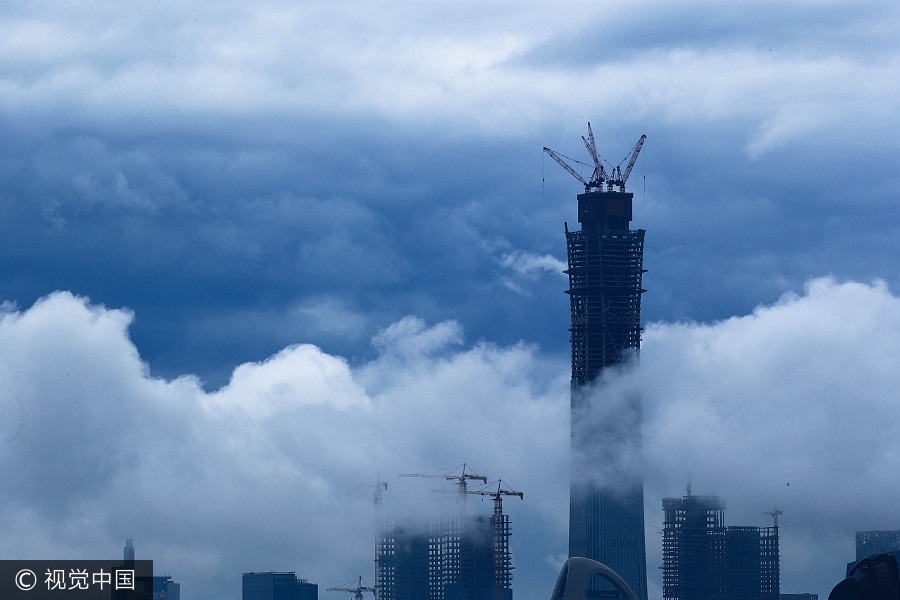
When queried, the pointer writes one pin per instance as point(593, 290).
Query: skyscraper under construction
point(459, 557)
point(605, 269)
point(463, 557)
point(705, 560)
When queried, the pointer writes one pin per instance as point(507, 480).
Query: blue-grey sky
point(253, 254)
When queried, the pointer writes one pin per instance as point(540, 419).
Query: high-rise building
point(751, 563)
point(705, 560)
point(402, 562)
point(165, 589)
point(770, 563)
point(693, 548)
point(869, 543)
point(158, 587)
point(464, 557)
point(605, 269)
point(274, 585)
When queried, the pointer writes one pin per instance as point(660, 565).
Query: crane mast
point(774, 514)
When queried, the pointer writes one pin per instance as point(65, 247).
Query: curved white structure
point(573, 580)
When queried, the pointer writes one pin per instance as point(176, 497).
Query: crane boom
point(461, 480)
point(591, 146)
point(620, 178)
point(634, 155)
point(357, 591)
point(599, 175)
point(496, 495)
point(566, 166)
point(774, 514)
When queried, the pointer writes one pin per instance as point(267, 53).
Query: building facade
point(274, 585)
point(605, 270)
point(165, 589)
point(705, 560)
point(869, 543)
point(402, 562)
point(455, 558)
point(693, 548)
point(752, 563)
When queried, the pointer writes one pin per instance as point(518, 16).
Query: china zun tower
point(605, 270)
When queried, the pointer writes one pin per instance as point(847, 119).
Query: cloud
point(606, 419)
point(790, 124)
point(208, 483)
point(525, 268)
point(443, 62)
point(531, 265)
point(793, 405)
point(258, 191)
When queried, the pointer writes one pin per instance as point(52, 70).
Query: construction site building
point(605, 269)
point(277, 585)
point(751, 563)
point(455, 558)
point(705, 560)
point(693, 548)
point(606, 510)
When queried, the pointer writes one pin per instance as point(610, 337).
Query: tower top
point(605, 210)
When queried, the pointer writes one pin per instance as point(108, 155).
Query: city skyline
point(253, 255)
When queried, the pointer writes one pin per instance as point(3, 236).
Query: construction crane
point(380, 485)
point(502, 559)
point(594, 183)
point(599, 177)
point(357, 591)
point(461, 480)
point(774, 514)
point(497, 496)
point(620, 178)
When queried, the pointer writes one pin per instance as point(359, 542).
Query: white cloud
point(531, 265)
point(269, 472)
point(794, 405)
point(525, 268)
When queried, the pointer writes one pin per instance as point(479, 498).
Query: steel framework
point(460, 557)
point(705, 560)
point(605, 275)
point(693, 548)
point(605, 269)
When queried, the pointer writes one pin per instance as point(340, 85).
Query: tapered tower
point(605, 269)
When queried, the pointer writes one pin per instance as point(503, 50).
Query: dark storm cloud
point(617, 36)
point(246, 178)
